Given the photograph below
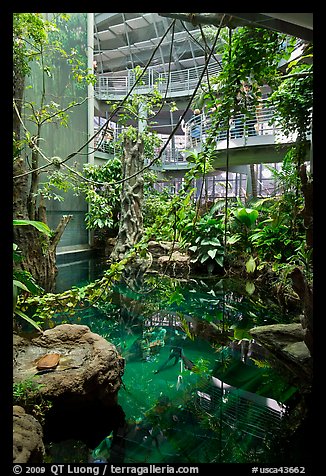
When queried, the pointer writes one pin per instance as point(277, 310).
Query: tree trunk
point(20, 184)
point(305, 293)
point(131, 217)
point(39, 252)
point(307, 190)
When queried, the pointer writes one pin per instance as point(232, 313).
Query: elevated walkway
point(252, 140)
point(179, 83)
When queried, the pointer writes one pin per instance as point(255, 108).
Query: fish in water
point(187, 362)
point(101, 453)
point(177, 354)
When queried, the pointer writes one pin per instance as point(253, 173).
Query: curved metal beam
point(289, 24)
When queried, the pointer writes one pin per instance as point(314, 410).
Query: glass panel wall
point(51, 83)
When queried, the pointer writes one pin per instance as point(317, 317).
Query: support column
point(90, 102)
point(249, 182)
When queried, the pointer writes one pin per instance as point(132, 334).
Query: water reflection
point(197, 387)
point(81, 272)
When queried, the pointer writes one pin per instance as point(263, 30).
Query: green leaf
point(28, 319)
point(20, 285)
point(25, 278)
point(193, 248)
point(39, 225)
point(233, 239)
point(204, 258)
point(219, 260)
point(250, 287)
point(176, 297)
point(247, 216)
point(214, 241)
point(212, 253)
point(240, 334)
point(17, 257)
point(15, 297)
point(250, 265)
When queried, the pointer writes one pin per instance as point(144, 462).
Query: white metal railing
point(254, 128)
point(105, 140)
point(183, 82)
point(256, 122)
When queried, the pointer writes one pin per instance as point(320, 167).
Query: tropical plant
point(103, 200)
point(166, 215)
point(242, 220)
point(280, 232)
point(27, 394)
point(23, 281)
point(246, 217)
point(157, 220)
point(293, 99)
point(274, 242)
point(206, 237)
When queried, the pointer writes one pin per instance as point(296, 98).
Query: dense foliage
point(253, 234)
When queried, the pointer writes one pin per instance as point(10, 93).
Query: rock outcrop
point(286, 343)
point(89, 367)
point(28, 444)
point(169, 259)
point(166, 258)
point(81, 387)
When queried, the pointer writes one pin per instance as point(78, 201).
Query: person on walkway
point(195, 129)
point(245, 122)
point(249, 103)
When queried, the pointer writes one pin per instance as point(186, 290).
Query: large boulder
point(176, 264)
point(89, 367)
point(286, 343)
point(28, 444)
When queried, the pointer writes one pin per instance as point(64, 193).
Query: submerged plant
point(202, 367)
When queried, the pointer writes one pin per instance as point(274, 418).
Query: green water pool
point(227, 406)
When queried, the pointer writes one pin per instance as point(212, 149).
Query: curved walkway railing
point(256, 129)
point(257, 122)
point(178, 83)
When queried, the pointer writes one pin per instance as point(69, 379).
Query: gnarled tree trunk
point(39, 252)
point(305, 293)
point(131, 217)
